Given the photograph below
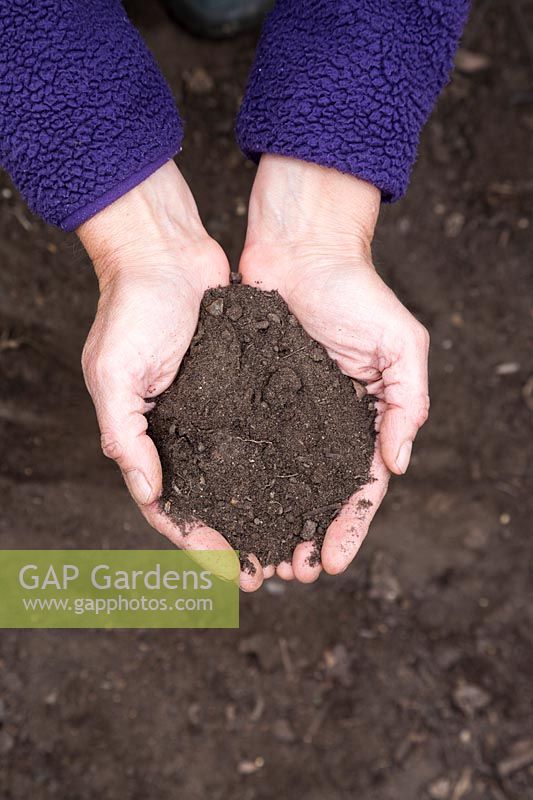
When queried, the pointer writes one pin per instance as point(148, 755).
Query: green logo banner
point(119, 589)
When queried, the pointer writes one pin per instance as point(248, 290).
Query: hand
point(309, 235)
point(154, 260)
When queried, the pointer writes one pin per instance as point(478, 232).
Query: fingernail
point(403, 457)
point(138, 486)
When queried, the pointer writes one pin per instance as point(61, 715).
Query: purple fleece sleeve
point(85, 114)
point(349, 83)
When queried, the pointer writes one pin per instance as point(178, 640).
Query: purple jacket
point(85, 114)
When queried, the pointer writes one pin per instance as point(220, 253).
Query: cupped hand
point(153, 262)
point(309, 237)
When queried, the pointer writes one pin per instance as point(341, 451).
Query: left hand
point(154, 260)
point(309, 236)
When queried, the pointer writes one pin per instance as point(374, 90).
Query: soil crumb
point(260, 436)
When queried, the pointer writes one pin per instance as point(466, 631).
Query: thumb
point(405, 383)
point(120, 413)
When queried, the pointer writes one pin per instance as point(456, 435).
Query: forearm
point(350, 85)
point(85, 114)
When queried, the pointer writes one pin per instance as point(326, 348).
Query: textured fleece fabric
point(349, 83)
point(85, 114)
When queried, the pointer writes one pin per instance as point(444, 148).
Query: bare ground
point(414, 678)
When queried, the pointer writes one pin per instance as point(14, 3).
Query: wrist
point(145, 228)
point(296, 202)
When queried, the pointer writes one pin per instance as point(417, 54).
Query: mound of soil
point(260, 436)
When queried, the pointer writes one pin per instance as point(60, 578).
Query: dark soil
point(409, 676)
point(260, 436)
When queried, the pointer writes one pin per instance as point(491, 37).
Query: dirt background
point(411, 675)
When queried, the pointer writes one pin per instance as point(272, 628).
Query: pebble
point(384, 584)
point(308, 530)
point(234, 312)
point(249, 767)
point(360, 389)
point(275, 587)
point(440, 789)
point(470, 699)
point(457, 319)
point(216, 308)
point(262, 325)
point(198, 80)
point(454, 224)
point(507, 368)
point(338, 664)
point(469, 62)
point(404, 225)
point(274, 318)
point(465, 736)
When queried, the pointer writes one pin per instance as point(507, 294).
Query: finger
point(193, 536)
point(269, 572)
point(199, 537)
point(347, 532)
point(251, 580)
point(284, 571)
point(405, 391)
point(120, 412)
point(304, 570)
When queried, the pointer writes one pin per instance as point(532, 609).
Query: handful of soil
point(260, 436)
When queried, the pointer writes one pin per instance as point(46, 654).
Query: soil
point(260, 436)
point(409, 676)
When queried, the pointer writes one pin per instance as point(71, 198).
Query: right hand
point(154, 260)
point(309, 238)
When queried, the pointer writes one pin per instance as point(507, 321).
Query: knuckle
point(87, 358)
point(423, 410)
point(111, 447)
